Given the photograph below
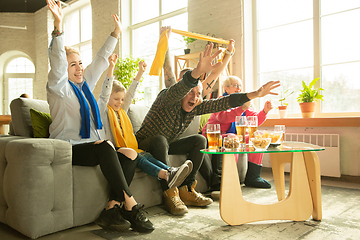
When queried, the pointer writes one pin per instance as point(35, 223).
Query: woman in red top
point(232, 84)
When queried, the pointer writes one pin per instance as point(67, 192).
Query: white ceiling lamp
point(24, 28)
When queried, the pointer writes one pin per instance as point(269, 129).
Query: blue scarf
point(232, 129)
point(84, 109)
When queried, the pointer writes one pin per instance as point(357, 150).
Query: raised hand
point(166, 28)
point(231, 46)
point(56, 10)
point(266, 89)
point(112, 59)
point(268, 106)
point(118, 26)
point(205, 62)
point(142, 66)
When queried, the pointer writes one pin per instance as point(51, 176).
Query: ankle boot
point(253, 179)
point(173, 203)
point(193, 198)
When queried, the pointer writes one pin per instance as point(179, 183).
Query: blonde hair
point(229, 79)
point(117, 86)
point(71, 50)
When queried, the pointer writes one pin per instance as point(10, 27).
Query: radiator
point(329, 158)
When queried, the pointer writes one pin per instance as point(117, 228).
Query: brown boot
point(173, 203)
point(193, 198)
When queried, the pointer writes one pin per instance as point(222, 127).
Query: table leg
point(313, 170)
point(278, 161)
point(235, 210)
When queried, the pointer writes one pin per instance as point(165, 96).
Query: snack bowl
point(231, 142)
point(261, 143)
point(274, 135)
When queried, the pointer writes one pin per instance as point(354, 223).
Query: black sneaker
point(112, 219)
point(177, 175)
point(139, 222)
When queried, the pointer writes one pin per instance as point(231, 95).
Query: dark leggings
point(116, 167)
point(159, 147)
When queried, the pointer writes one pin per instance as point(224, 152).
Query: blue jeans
point(160, 148)
point(150, 165)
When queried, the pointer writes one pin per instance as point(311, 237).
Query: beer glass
point(280, 128)
point(213, 135)
point(241, 125)
point(252, 125)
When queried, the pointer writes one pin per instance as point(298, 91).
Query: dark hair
point(24, 95)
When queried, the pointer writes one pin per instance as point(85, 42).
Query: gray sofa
point(41, 192)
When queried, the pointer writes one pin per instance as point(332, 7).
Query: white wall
point(221, 18)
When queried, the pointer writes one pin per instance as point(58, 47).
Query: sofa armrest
point(38, 186)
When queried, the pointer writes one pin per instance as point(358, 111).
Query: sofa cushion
point(20, 114)
point(137, 114)
point(40, 123)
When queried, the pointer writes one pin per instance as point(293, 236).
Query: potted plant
point(126, 70)
point(283, 105)
point(307, 98)
point(187, 41)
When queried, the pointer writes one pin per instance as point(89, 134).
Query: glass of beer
point(213, 135)
point(241, 125)
point(252, 125)
point(280, 128)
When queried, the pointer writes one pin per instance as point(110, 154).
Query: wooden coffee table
point(303, 200)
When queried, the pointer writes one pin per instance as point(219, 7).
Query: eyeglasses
point(235, 86)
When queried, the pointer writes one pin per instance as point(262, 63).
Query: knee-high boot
point(253, 179)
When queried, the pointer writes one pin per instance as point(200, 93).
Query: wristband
point(228, 52)
point(114, 35)
point(56, 33)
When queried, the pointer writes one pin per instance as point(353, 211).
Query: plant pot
point(307, 109)
point(187, 51)
point(282, 111)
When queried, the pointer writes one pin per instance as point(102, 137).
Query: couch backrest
point(137, 114)
point(20, 115)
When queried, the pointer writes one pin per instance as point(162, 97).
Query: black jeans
point(159, 147)
point(117, 168)
point(211, 170)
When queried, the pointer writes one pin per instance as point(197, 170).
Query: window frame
point(159, 19)
point(254, 67)
point(6, 102)
point(77, 7)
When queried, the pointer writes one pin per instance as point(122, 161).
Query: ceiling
point(28, 6)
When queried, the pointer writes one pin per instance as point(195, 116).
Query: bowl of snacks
point(276, 136)
point(260, 143)
point(231, 142)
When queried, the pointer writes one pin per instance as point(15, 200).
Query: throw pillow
point(203, 120)
point(40, 123)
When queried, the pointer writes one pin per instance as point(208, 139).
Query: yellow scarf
point(156, 66)
point(126, 137)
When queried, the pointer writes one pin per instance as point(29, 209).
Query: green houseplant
point(283, 105)
point(125, 71)
point(187, 41)
point(307, 98)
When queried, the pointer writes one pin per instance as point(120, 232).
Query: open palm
point(55, 9)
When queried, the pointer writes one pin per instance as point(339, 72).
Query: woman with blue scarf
point(76, 119)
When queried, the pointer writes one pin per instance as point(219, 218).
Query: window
point(300, 40)
point(78, 31)
point(19, 76)
point(147, 18)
